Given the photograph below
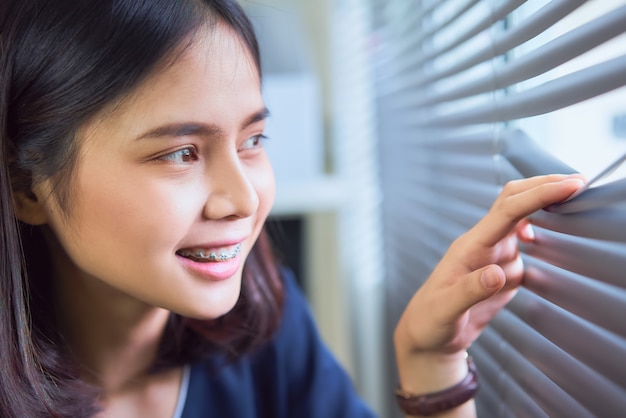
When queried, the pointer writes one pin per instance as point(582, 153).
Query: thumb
point(481, 284)
point(477, 286)
point(491, 279)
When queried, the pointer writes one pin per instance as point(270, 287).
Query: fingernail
point(529, 231)
point(578, 182)
point(489, 279)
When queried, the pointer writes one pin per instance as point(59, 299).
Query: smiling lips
point(213, 264)
point(204, 255)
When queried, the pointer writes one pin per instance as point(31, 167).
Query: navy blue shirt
point(293, 376)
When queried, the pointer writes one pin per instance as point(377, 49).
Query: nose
point(232, 194)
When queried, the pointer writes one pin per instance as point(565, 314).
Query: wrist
point(427, 372)
point(454, 397)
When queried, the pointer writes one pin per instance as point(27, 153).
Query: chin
point(216, 304)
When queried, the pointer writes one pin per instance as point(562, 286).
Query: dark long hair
point(61, 62)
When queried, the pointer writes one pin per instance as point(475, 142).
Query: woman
point(136, 279)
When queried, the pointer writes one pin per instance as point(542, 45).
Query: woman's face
point(172, 186)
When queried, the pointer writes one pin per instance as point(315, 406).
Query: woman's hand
point(478, 275)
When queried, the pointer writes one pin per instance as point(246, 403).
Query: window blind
point(453, 80)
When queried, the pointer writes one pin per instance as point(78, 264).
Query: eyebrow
point(199, 129)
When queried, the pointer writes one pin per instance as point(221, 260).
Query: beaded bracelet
point(444, 400)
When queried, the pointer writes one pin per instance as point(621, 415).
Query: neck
point(113, 336)
point(115, 342)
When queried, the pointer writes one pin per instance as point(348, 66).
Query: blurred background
point(354, 86)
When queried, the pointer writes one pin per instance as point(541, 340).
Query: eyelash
point(190, 152)
point(258, 142)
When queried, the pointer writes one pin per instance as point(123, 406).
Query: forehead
point(213, 73)
point(214, 58)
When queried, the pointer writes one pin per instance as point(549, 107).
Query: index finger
point(520, 199)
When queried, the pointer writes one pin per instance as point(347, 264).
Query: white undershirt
point(182, 393)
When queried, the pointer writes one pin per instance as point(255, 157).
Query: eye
point(253, 142)
point(181, 156)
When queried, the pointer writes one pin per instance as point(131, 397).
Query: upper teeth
point(221, 254)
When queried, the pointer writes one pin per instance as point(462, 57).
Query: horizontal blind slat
point(499, 12)
point(605, 224)
point(611, 194)
point(528, 157)
point(592, 300)
point(498, 385)
point(573, 254)
point(552, 95)
point(573, 334)
point(450, 228)
point(532, 26)
point(539, 61)
point(599, 395)
point(416, 43)
point(549, 396)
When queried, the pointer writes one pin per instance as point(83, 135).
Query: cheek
point(263, 181)
point(261, 177)
point(126, 217)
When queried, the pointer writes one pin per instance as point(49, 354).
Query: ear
point(29, 208)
